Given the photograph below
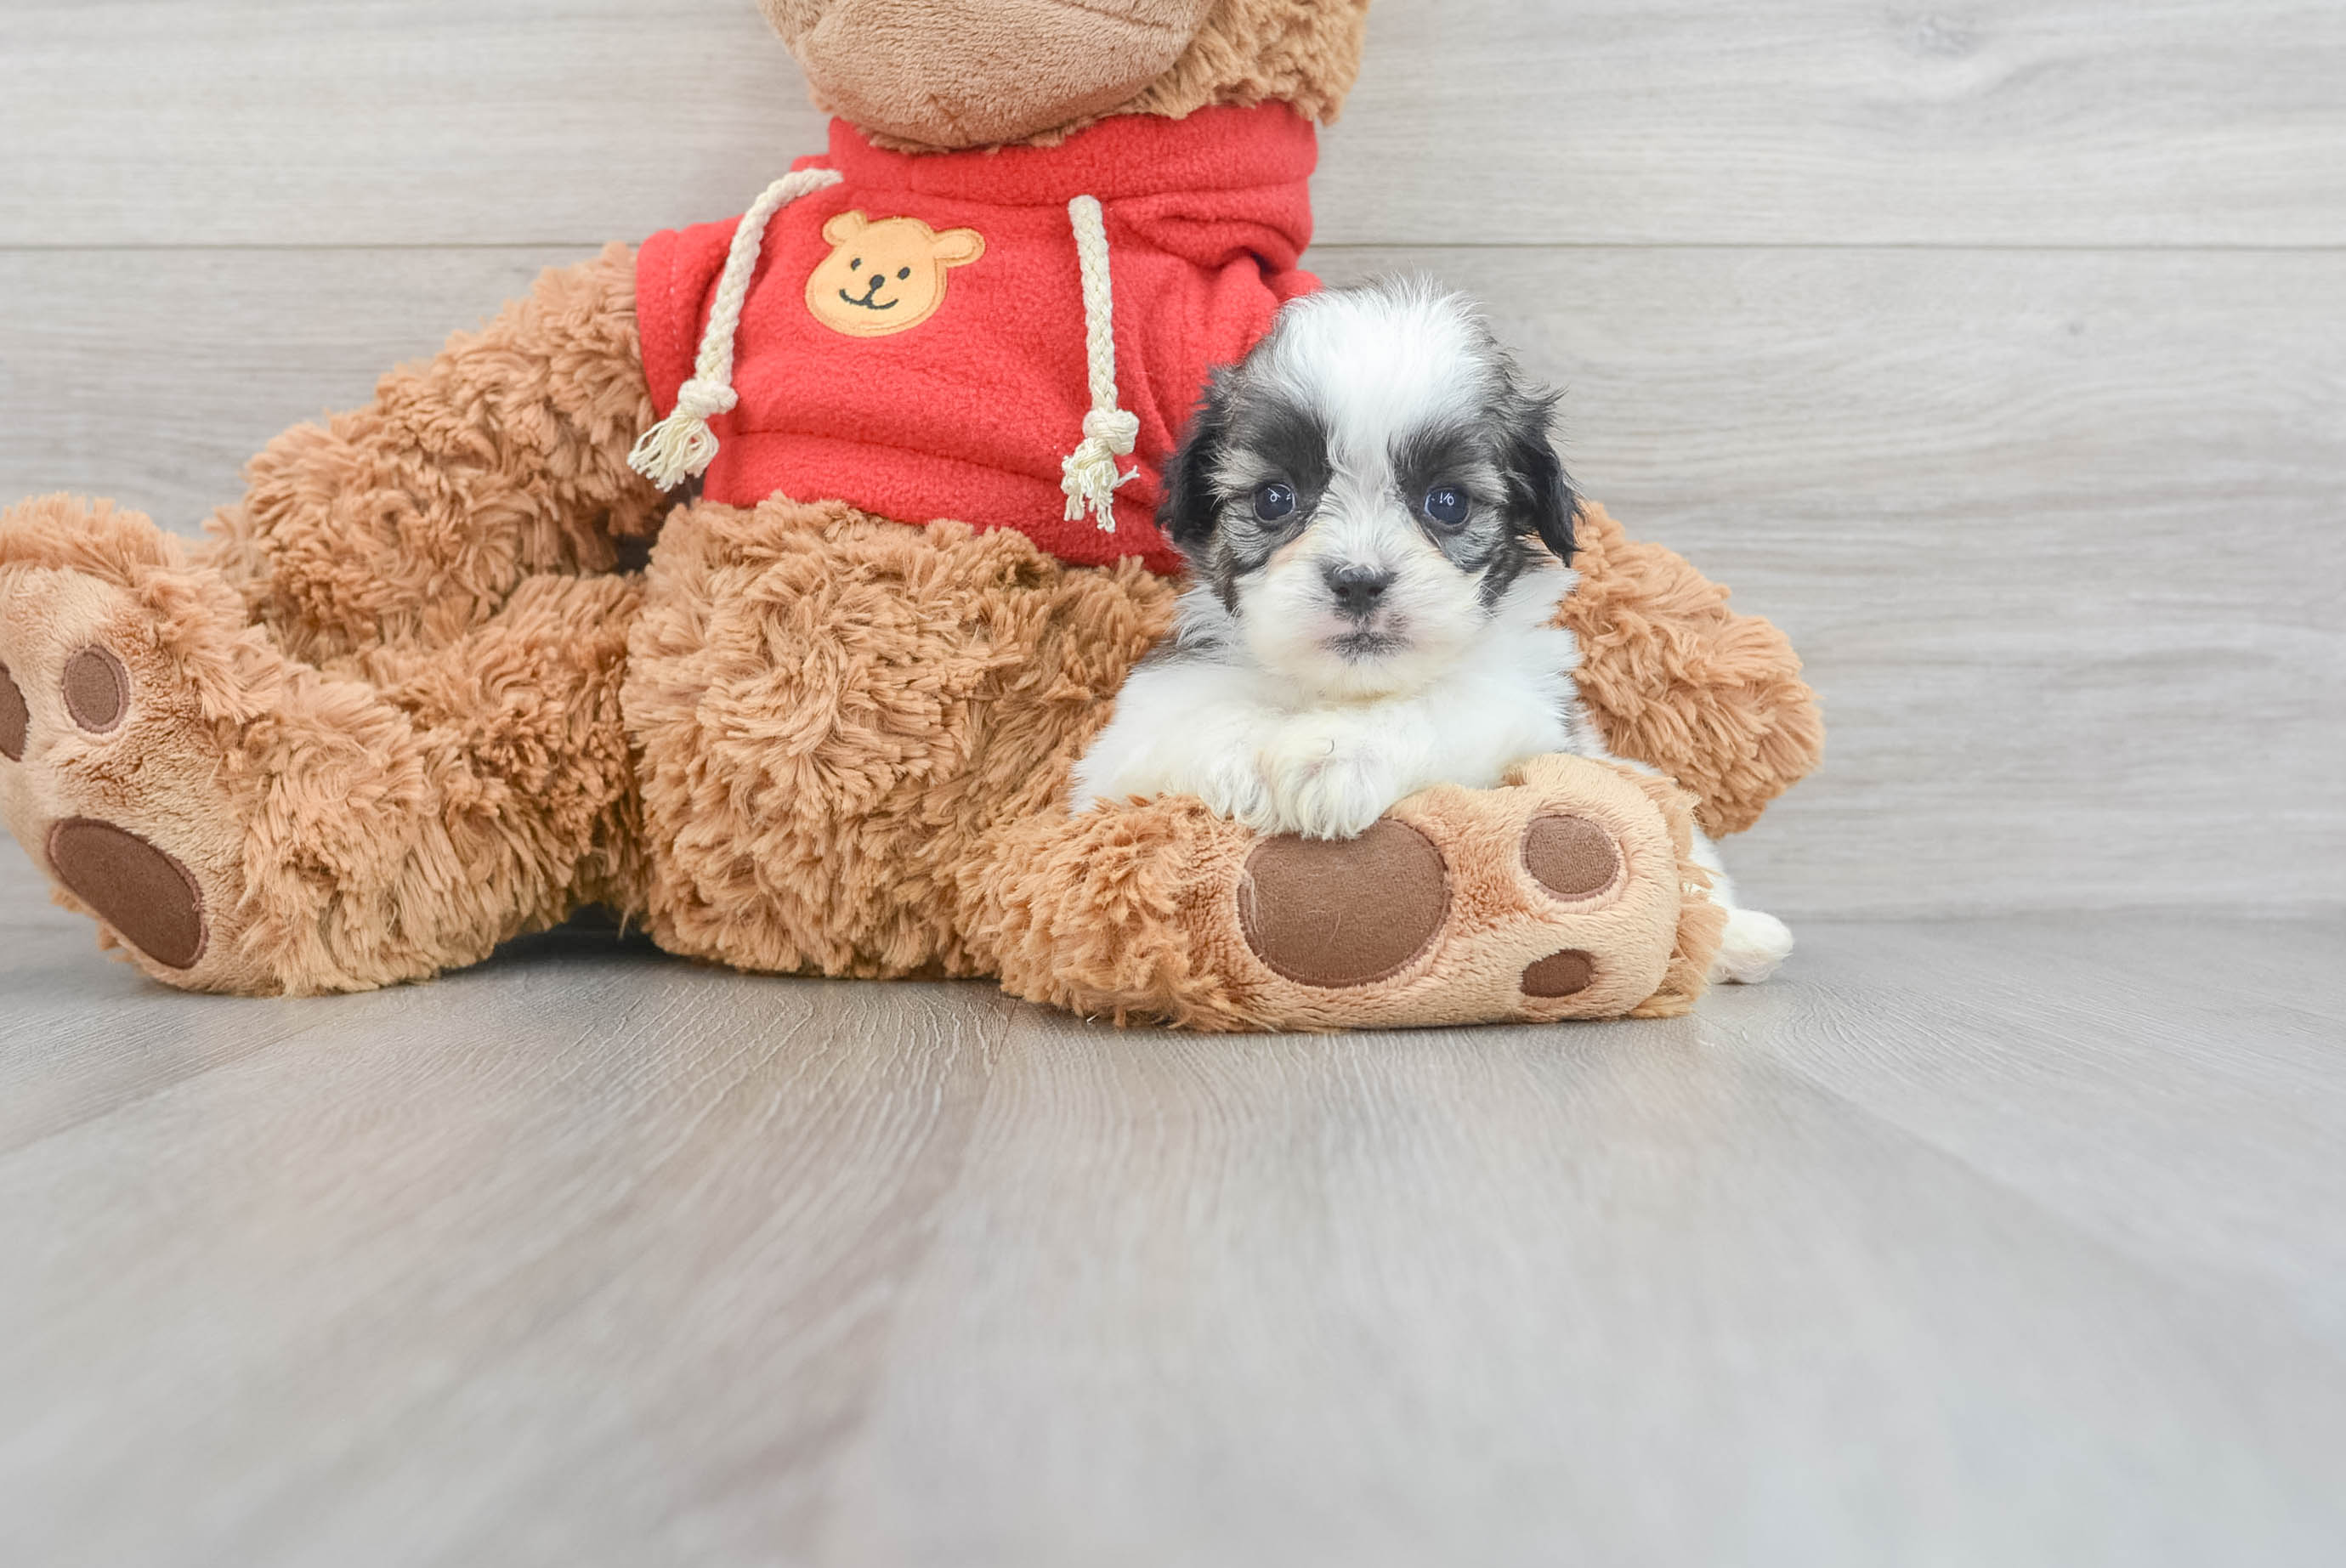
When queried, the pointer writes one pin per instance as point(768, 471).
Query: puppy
point(1379, 533)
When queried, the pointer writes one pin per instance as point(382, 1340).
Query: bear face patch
point(884, 277)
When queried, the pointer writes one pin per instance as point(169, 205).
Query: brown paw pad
point(1565, 973)
point(96, 690)
point(139, 890)
point(1572, 856)
point(1340, 912)
point(16, 718)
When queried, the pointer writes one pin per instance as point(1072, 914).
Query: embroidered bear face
point(884, 277)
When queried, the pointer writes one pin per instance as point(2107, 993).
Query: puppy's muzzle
point(1357, 591)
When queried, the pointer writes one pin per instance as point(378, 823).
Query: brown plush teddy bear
point(414, 696)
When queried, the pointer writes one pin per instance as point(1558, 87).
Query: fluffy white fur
point(1285, 756)
point(1282, 705)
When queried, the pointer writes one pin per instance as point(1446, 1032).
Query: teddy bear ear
point(959, 247)
point(845, 226)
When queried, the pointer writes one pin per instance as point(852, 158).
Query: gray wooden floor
point(1999, 1242)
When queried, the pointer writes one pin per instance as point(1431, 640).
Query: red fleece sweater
point(888, 367)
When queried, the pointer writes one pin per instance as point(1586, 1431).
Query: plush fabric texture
point(413, 697)
point(1701, 924)
point(855, 739)
point(972, 73)
point(833, 712)
point(1305, 55)
point(852, 737)
point(412, 519)
point(342, 831)
point(1675, 679)
point(1135, 913)
point(969, 413)
point(923, 75)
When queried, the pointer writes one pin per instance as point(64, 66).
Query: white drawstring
point(1090, 475)
point(682, 444)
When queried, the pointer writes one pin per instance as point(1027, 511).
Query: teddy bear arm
point(1676, 679)
point(1564, 894)
point(414, 519)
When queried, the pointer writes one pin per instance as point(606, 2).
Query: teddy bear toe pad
point(96, 690)
point(1571, 857)
point(110, 777)
point(1343, 912)
point(16, 718)
point(1565, 973)
point(1576, 861)
point(147, 895)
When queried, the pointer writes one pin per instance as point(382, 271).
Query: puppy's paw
point(1327, 780)
point(1234, 788)
point(1751, 947)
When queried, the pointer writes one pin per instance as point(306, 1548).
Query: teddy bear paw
point(1556, 896)
point(109, 773)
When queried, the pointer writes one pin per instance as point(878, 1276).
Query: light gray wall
point(1998, 354)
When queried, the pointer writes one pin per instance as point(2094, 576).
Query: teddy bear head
point(930, 75)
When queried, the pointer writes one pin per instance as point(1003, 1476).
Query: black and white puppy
point(1379, 532)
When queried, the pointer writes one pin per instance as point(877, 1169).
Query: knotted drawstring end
point(682, 446)
point(1089, 476)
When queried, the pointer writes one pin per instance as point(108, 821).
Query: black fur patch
point(1189, 512)
point(1545, 502)
point(1458, 455)
point(1239, 426)
point(1499, 451)
point(1284, 441)
point(1501, 454)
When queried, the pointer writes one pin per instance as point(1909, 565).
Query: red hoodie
point(936, 368)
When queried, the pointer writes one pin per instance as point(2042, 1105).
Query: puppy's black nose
point(1356, 589)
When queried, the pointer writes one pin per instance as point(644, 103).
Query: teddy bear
point(763, 583)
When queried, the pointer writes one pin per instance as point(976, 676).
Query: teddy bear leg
point(243, 821)
point(832, 712)
point(1568, 893)
point(372, 727)
point(411, 520)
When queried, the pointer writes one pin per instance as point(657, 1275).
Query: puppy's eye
point(1447, 504)
point(1273, 501)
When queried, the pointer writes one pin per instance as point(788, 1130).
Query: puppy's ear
point(1191, 509)
point(1545, 503)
